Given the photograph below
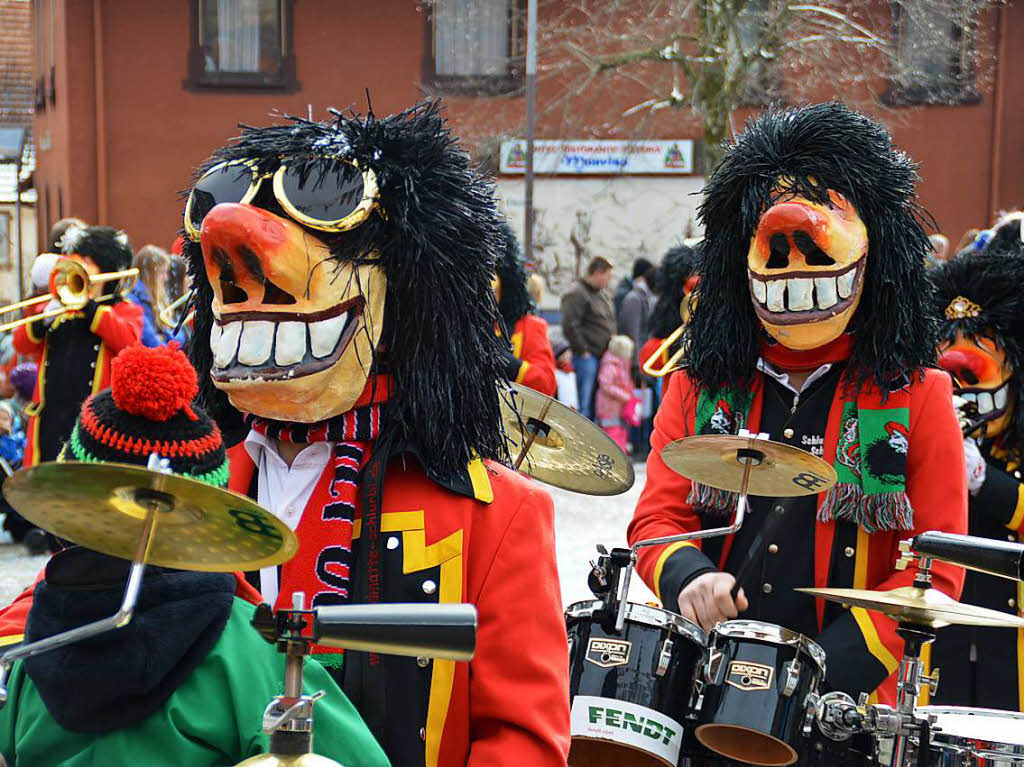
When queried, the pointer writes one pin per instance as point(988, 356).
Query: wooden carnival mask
point(806, 268)
point(294, 330)
point(982, 375)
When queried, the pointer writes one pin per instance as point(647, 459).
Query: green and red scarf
point(870, 450)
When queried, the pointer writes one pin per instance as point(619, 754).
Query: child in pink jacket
point(615, 388)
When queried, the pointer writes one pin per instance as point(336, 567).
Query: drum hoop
point(769, 632)
point(644, 615)
point(973, 744)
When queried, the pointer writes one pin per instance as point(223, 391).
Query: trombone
point(69, 284)
point(167, 313)
point(650, 367)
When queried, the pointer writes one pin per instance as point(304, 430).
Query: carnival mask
point(983, 376)
point(806, 268)
point(295, 330)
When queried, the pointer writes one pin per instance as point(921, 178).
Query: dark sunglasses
point(326, 194)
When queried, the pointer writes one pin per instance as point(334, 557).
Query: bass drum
point(630, 691)
point(975, 737)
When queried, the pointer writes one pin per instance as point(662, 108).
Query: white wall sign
point(672, 156)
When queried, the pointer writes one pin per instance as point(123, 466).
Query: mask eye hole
point(328, 194)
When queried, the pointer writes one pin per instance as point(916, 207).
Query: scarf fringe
point(710, 500)
point(874, 512)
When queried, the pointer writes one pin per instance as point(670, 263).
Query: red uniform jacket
point(113, 327)
point(490, 543)
point(936, 486)
point(531, 346)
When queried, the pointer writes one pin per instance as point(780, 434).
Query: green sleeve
point(338, 730)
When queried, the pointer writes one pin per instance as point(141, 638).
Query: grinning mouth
point(801, 297)
point(273, 346)
point(990, 403)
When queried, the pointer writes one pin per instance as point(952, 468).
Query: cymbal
point(924, 607)
point(568, 450)
point(783, 471)
point(102, 506)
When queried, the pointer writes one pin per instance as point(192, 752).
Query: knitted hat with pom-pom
point(148, 409)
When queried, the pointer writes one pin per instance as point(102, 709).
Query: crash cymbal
point(567, 450)
point(776, 471)
point(102, 506)
point(923, 607)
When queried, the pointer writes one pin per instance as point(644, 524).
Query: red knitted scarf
point(811, 359)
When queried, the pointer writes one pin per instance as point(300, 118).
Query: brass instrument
point(69, 284)
point(167, 313)
point(650, 366)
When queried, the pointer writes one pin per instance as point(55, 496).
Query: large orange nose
point(793, 231)
point(967, 367)
point(255, 258)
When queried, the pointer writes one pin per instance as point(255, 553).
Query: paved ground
point(581, 522)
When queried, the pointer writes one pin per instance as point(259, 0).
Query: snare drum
point(630, 691)
point(975, 737)
point(755, 685)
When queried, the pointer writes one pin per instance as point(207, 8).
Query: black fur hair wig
point(992, 279)
point(438, 243)
point(677, 267)
point(515, 299)
point(108, 247)
point(817, 148)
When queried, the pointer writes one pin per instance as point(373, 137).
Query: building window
point(476, 46)
point(933, 49)
point(242, 44)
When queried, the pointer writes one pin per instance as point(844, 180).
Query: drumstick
point(770, 525)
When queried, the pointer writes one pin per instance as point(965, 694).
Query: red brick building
point(132, 95)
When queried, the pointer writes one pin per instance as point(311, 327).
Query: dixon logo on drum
point(749, 676)
point(608, 652)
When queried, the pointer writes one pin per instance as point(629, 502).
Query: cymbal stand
point(155, 502)
point(839, 717)
point(749, 457)
point(288, 718)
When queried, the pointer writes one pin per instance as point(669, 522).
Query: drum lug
point(792, 672)
point(713, 667)
point(665, 658)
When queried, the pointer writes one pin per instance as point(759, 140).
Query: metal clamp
point(792, 672)
point(712, 669)
point(286, 714)
point(664, 658)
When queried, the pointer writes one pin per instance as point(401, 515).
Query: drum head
point(746, 745)
point(978, 724)
point(603, 753)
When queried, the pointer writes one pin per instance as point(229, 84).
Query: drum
point(630, 691)
point(755, 685)
point(975, 737)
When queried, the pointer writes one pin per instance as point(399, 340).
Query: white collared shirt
point(284, 490)
point(783, 378)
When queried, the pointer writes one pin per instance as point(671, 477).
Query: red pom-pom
point(153, 383)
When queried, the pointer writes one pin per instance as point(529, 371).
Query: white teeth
point(257, 341)
point(985, 403)
point(846, 283)
point(215, 333)
point(825, 292)
point(760, 291)
point(291, 343)
point(970, 396)
point(776, 296)
point(1000, 397)
point(227, 344)
point(800, 294)
point(324, 335)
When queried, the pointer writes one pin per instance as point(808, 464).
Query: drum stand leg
point(910, 678)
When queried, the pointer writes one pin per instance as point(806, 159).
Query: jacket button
point(1011, 537)
point(779, 509)
point(1011, 602)
point(423, 733)
point(773, 549)
point(1016, 474)
point(422, 661)
point(429, 587)
point(788, 434)
point(767, 588)
point(848, 551)
point(392, 543)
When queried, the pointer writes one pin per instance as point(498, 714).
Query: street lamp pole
point(531, 99)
